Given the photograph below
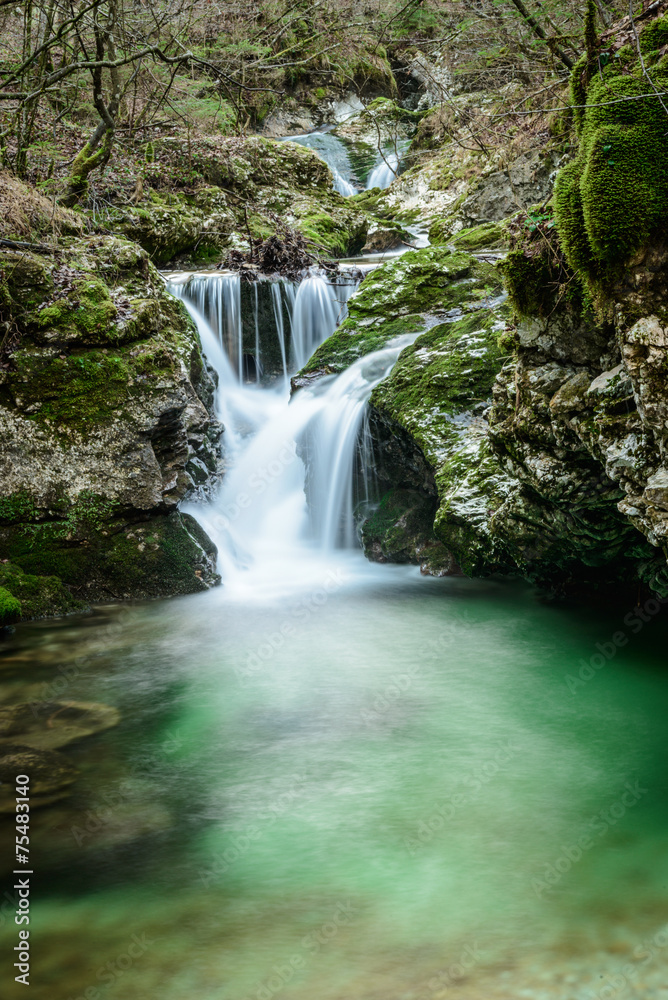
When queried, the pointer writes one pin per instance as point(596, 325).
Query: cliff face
point(106, 423)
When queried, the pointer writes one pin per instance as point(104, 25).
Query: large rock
point(424, 418)
point(242, 186)
point(105, 404)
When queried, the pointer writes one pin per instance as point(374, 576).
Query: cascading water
point(385, 172)
point(283, 451)
point(318, 310)
point(334, 153)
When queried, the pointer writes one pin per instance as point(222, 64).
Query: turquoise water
point(371, 785)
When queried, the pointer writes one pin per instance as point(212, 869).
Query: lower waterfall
point(288, 493)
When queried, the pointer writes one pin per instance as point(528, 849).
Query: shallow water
point(348, 789)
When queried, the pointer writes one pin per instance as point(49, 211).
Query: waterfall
point(287, 497)
point(277, 303)
point(334, 153)
point(385, 172)
point(318, 309)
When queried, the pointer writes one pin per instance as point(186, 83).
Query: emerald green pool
point(365, 785)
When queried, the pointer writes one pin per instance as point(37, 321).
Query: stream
point(337, 779)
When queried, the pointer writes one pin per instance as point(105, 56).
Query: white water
point(319, 308)
point(333, 151)
point(335, 155)
point(282, 450)
point(383, 174)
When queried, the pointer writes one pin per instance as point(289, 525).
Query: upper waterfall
point(334, 152)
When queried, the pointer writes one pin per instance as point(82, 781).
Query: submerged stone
point(53, 724)
point(51, 775)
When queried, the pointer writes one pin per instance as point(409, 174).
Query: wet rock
point(51, 775)
point(406, 295)
point(277, 179)
point(380, 240)
point(53, 724)
point(105, 403)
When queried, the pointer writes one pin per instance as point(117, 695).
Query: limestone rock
point(104, 403)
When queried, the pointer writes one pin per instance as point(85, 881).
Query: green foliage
point(17, 507)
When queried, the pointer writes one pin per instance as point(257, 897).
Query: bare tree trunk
point(98, 149)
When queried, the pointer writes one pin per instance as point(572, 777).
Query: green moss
point(164, 555)
point(348, 342)
point(527, 279)
point(88, 308)
point(440, 233)
point(78, 391)
point(488, 236)
point(340, 235)
point(446, 371)
point(39, 596)
point(10, 608)
point(398, 297)
point(614, 197)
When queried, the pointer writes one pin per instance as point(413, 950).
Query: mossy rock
point(404, 296)
point(613, 198)
point(400, 529)
point(488, 236)
point(103, 415)
point(162, 555)
point(447, 371)
point(10, 608)
point(38, 596)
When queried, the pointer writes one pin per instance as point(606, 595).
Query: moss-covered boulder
point(405, 296)
point(36, 596)
point(450, 309)
point(612, 200)
point(104, 405)
point(10, 608)
point(206, 199)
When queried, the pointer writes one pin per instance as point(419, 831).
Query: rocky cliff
point(533, 441)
